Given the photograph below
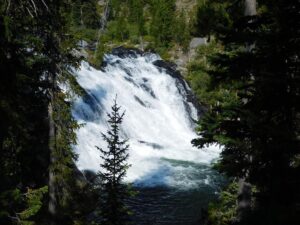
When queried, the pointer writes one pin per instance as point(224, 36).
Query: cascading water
point(159, 123)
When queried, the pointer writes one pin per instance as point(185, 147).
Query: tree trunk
point(103, 23)
point(244, 191)
point(244, 199)
point(81, 20)
point(52, 204)
point(141, 43)
point(250, 7)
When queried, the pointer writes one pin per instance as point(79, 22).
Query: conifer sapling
point(114, 167)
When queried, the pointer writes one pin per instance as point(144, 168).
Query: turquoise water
point(180, 204)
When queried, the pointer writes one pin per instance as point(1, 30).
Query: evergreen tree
point(37, 130)
point(136, 14)
point(210, 16)
point(181, 31)
point(259, 131)
point(114, 166)
point(84, 13)
point(162, 26)
point(122, 32)
point(77, 13)
point(115, 8)
point(90, 17)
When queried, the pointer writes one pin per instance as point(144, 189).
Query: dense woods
point(37, 129)
point(247, 77)
point(147, 24)
point(258, 126)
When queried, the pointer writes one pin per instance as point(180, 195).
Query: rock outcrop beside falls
point(123, 52)
point(171, 69)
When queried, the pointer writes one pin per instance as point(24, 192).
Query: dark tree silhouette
point(114, 167)
point(259, 130)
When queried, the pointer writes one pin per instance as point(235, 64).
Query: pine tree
point(114, 167)
point(90, 17)
point(259, 130)
point(35, 57)
point(213, 17)
point(181, 31)
point(136, 11)
point(163, 16)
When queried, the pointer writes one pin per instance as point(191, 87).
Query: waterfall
point(159, 120)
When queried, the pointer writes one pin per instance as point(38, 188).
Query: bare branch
point(8, 6)
point(34, 6)
point(15, 218)
point(45, 5)
point(29, 12)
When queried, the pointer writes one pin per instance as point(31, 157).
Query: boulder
point(197, 41)
point(123, 52)
point(82, 44)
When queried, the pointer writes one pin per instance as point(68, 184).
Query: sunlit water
point(174, 179)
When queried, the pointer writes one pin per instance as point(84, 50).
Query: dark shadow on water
point(165, 205)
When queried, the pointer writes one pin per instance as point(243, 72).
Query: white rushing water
point(158, 120)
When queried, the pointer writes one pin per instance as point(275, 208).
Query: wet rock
point(81, 53)
point(90, 175)
point(153, 145)
point(148, 89)
point(131, 81)
point(145, 104)
point(123, 52)
point(82, 44)
point(170, 68)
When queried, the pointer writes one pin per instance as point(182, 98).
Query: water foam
point(158, 120)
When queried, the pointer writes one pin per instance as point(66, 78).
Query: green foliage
point(223, 212)
point(34, 204)
point(118, 30)
point(99, 54)
point(87, 34)
point(85, 14)
point(259, 128)
point(35, 54)
point(162, 25)
point(211, 17)
point(181, 31)
point(10, 200)
point(90, 17)
point(114, 167)
point(200, 80)
point(65, 139)
point(136, 15)
point(153, 24)
point(115, 8)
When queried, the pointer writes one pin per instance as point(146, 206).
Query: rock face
point(197, 41)
point(186, 5)
point(80, 53)
point(194, 44)
point(123, 52)
point(102, 2)
point(82, 49)
point(182, 58)
point(169, 66)
point(171, 69)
